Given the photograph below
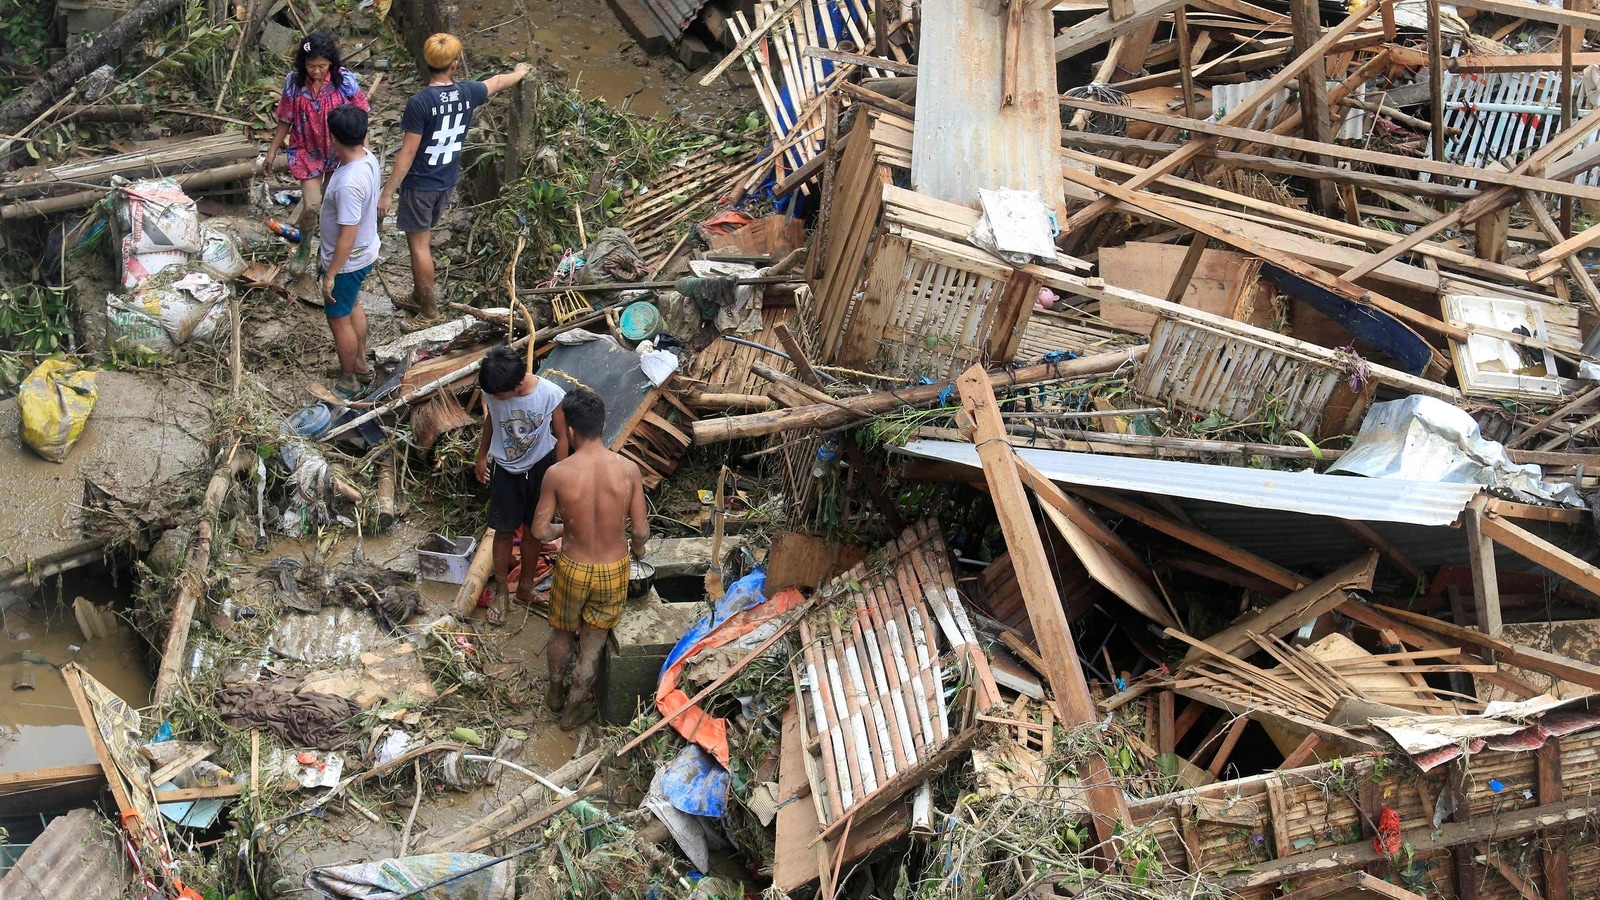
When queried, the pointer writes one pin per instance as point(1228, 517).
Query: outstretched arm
point(543, 528)
point(505, 79)
point(638, 513)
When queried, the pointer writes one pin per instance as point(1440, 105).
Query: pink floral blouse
point(310, 146)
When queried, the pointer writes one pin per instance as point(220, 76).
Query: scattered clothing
point(442, 115)
point(591, 594)
point(306, 719)
point(351, 198)
point(311, 153)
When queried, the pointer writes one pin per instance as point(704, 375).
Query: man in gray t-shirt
point(349, 243)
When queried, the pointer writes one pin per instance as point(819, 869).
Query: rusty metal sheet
point(77, 856)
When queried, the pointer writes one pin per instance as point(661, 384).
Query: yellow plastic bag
point(56, 400)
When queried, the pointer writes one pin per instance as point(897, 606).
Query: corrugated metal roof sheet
point(77, 856)
point(1339, 496)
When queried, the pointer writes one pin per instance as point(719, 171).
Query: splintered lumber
point(1492, 200)
point(1241, 114)
point(1075, 706)
point(192, 583)
point(896, 787)
point(1099, 29)
point(1295, 610)
point(1518, 177)
point(831, 415)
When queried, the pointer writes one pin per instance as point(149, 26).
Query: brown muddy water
point(587, 48)
point(40, 728)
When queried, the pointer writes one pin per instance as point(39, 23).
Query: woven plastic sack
point(161, 227)
point(56, 399)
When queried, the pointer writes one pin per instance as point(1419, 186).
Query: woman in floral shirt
point(317, 85)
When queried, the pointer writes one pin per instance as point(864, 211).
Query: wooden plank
point(1513, 510)
point(1282, 846)
point(1195, 538)
point(1480, 555)
point(1099, 29)
point(1555, 858)
point(1415, 637)
point(1536, 12)
point(32, 778)
point(1045, 611)
point(1535, 549)
point(1235, 732)
point(200, 793)
point(1300, 754)
point(1303, 605)
point(1519, 62)
point(1352, 881)
point(1554, 665)
point(1423, 838)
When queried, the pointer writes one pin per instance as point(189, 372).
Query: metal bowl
point(641, 577)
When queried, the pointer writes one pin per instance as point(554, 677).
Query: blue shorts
point(346, 289)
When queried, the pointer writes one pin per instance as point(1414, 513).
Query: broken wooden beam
point(1075, 707)
point(831, 415)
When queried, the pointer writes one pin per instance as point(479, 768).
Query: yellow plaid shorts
point(591, 594)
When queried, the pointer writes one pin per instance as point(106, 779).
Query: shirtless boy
point(599, 494)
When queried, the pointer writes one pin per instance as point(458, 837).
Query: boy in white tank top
point(524, 434)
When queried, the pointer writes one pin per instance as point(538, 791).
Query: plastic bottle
point(287, 232)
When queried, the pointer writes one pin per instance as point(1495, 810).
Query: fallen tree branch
point(80, 62)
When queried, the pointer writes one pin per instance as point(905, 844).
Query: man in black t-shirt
point(428, 165)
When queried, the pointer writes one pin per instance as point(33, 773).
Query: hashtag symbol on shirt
point(447, 141)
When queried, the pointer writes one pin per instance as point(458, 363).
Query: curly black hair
point(318, 45)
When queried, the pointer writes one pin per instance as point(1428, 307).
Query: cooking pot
point(641, 577)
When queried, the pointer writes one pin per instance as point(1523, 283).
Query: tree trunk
point(22, 108)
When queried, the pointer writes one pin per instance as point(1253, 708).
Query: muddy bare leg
point(580, 698)
point(590, 642)
point(422, 273)
point(558, 654)
point(504, 542)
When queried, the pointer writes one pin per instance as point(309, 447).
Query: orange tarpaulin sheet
point(696, 725)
